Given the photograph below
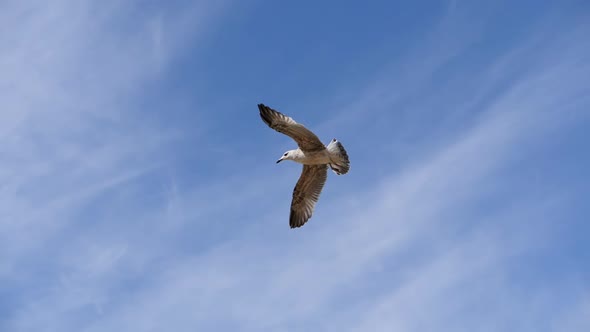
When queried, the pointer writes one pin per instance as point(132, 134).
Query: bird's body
point(315, 158)
point(319, 157)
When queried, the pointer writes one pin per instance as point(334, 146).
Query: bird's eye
point(285, 154)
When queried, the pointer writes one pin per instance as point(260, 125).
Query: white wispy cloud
point(71, 134)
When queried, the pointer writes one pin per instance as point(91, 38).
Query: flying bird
point(315, 157)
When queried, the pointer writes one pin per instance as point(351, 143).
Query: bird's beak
point(278, 161)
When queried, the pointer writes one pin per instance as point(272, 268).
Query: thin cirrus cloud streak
point(535, 104)
point(405, 251)
point(52, 152)
point(66, 130)
point(71, 73)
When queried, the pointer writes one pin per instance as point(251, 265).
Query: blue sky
point(138, 189)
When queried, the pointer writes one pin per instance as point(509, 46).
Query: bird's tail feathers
point(340, 163)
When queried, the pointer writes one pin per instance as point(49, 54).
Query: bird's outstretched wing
point(306, 140)
point(306, 193)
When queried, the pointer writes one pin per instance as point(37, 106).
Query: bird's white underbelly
point(315, 158)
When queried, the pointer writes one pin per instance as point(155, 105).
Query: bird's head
point(286, 156)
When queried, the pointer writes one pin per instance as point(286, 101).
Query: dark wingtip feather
point(293, 220)
point(264, 114)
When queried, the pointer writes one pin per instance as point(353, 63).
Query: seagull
point(315, 158)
